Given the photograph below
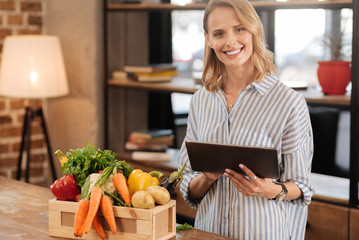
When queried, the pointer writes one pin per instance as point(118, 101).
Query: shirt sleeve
point(188, 173)
point(297, 151)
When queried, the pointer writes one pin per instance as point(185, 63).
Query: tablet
point(215, 158)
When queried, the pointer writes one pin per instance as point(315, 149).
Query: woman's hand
point(200, 184)
point(253, 185)
point(212, 177)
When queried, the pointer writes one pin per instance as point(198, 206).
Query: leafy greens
point(84, 161)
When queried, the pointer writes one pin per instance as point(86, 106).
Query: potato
point(159, 194)
point(142, 199)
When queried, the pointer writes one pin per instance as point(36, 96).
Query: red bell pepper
point(65, 188)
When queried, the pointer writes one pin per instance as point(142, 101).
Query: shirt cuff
point(184, 189)
point(308, 192)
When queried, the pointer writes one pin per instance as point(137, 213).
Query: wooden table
point(24, 213)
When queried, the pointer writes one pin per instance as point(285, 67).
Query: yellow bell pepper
point(139, 180)
point(62, 158)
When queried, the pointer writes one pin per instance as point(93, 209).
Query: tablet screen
point(215, 158)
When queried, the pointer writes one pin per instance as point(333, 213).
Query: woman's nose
point(230, 40)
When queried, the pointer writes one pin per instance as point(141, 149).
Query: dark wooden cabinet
point(327, 221)
point(354, 224)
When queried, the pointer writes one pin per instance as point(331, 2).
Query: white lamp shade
point(32, 66)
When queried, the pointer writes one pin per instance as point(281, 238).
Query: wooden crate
point(132, 223)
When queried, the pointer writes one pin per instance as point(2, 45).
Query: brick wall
point(21, 17)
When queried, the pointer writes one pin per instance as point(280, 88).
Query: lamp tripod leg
point(43, 124)
point(24, 130)
point(28, 142)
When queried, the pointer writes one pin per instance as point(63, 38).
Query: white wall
point(77, 119)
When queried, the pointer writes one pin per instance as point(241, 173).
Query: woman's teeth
point(233, 52)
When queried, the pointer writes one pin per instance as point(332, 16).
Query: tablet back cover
point(212, 157)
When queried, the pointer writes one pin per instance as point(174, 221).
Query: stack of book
point(150, 145)
point(150, 140)
point(147, 73)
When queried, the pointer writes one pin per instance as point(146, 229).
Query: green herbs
point(84, 161)
point(184, 227)
point(125, 168)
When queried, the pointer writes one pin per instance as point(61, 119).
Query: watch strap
point(282, 193)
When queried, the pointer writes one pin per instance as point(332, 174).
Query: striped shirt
point(265, 114)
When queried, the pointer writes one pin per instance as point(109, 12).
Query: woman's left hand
point(252, 185)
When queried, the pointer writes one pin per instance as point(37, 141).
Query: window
point(300, 41)
point(299, 45)
point(187, 49)
point(188, 42)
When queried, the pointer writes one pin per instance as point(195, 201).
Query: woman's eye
point(239, 29)
point(218, 34)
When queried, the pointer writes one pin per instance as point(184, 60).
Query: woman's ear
point(207, 40)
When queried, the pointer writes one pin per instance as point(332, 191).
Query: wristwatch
point(282, 193)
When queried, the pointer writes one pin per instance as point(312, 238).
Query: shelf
point(153, 6)
point(178, 84)
point(329, 4)
point(169, 166)
point(187, 85)
point(315, 97)
point(330, 189)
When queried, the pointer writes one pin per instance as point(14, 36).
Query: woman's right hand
point(200, 184)
point(212, 177)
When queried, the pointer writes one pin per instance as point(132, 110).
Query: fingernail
point(241, 165)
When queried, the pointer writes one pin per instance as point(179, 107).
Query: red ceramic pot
point(334, 76)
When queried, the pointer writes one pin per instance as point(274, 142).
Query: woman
point(243, 103)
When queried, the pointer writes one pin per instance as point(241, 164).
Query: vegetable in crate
point(174, 180)
point(62, 158)
point(95, 199)
point(65, 188)
point(120, 183)
point(159, 194)
point(142, 199)
point(80, 217)
point(84, 161)
point(140, 180)
point(94, 194)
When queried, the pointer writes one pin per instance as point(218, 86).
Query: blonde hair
point(214, 71)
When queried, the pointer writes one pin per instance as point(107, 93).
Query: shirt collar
point(265, 84)
point(261, 86)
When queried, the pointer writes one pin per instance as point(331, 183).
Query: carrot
point(107, 211)
point(121, 185)
point(96, 195)
point(80, 216)
point(98, 227)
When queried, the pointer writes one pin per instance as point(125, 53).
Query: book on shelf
point(152, 137)
point(155, 76)
point(121, 75)
point(151, 156)
point(153, 79)
point(145, 142)
point(151, 133)
point(129, 146)
point(150, 68)
point(165, 76)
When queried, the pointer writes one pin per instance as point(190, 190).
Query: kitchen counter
point(24, 213)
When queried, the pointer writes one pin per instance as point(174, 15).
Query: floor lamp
point(32, 67)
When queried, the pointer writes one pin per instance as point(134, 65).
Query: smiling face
point(226, 35)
